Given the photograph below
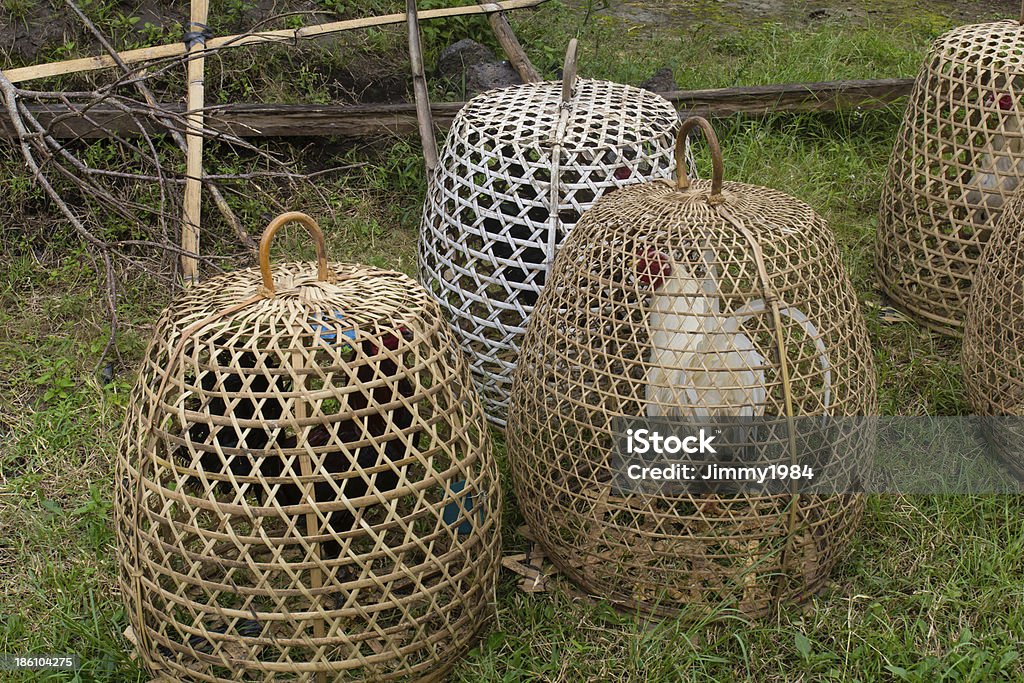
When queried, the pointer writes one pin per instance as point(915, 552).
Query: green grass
point(931, 591)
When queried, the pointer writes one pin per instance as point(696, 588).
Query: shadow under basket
point(674, 301)
point(958, 158)
point(519, 168)
point(305, 487)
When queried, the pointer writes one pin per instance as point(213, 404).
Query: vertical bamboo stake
point(192, 211)
point(316, 578)
point(419, 86)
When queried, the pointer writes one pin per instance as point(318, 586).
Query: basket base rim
point(931, 321)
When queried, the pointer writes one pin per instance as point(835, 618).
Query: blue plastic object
point(322, 326)
point(453, 512)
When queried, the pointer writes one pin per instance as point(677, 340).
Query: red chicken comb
point(1005, 101)
point(653, 267)
point(391, 341)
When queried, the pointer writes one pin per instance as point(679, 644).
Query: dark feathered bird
point(246, 628)
point(533, 257)
point(375, 424)
point(237, 443)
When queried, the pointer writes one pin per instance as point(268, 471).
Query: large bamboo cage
point(958, 158)
point(519, 168)
point(993, 348)
point(306, 488)
point(672, 300)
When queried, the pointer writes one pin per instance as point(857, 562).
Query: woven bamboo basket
point(958, 158)
point(306, 490)
point(519, 168)
point(993, 350)
point(685, 299)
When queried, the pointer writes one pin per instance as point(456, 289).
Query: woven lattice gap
point(306, 490)
point(958, 158)
point(492, 220)
point(659, 306)
point(993, 350)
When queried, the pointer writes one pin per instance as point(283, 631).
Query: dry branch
point(111, 209)
point(288, 36)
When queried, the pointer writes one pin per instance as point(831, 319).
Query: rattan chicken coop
point(958, 158)
point(305, 489)
point(519, 168)
point(671, 300)
point(993, 349)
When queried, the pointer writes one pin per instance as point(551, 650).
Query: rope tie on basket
point(195, 37)
point(771, 298)
point(266, 291)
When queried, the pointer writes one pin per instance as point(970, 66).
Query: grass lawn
point(933, 589)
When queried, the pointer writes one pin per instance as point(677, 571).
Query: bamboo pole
point(192, 212)
point(64, 68)
point(419, 85)
point(513, 49)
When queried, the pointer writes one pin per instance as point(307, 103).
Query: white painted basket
point(493, 218)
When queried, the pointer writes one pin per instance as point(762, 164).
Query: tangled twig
point(88, 196)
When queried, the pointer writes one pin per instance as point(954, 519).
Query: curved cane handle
point(569, 71)
point(324, 273)
point(717, 167)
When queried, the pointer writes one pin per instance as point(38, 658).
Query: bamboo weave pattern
point(305, 484)
point(703, 299)
point(519, 168)
point(993, 352)
point(958, 158)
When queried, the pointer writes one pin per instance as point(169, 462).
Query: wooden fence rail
point(303, 120)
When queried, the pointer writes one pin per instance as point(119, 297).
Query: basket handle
point(324, 273)
point(569, 71)
point(717, 167)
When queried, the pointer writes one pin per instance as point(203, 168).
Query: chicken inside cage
point(703, 361)
point(997, 173)
point(247, 451)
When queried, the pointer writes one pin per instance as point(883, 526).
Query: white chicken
point(998, 174)
point(701, 362)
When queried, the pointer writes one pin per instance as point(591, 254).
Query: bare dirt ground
point(655, 13)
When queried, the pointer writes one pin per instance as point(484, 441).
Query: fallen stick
point(513, 49)
point(146, 54)
point(355, 120)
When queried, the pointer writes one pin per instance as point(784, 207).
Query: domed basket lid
point(992, 46)
point(685, 206)
point(298, 300)
point(577, 113)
